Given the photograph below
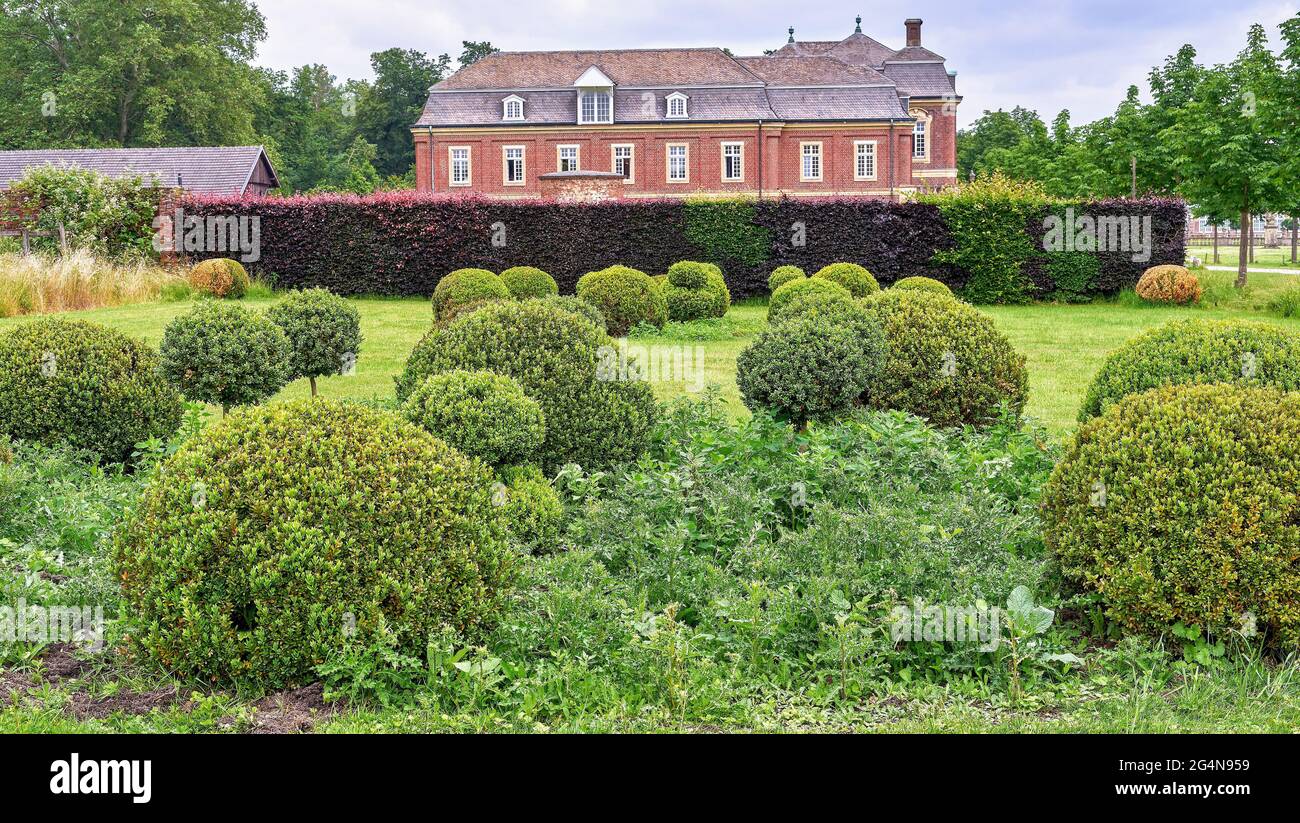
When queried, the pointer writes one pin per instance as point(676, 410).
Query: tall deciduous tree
point(128, 72)
point(1223, 145)
point(393, 103)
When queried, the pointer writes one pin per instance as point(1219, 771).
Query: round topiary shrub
point(851, 276)
point(224, 354)
point(532, 510)
point(464, 286)
point(479, 412)
point(918, 283)
point(688, 274)
point(782, 275)
point(553, 353)
point(811, 368)
point(578, 306)
point(1169, 284)
point(947, 361)
point(324, 331)
point(827, 289)
point(526, 281)
point(68, 381)
point(694, 291)
point(219, 277)
point(1180, 505)
point(285, 532)
point(625, 296)
point(1197, 351)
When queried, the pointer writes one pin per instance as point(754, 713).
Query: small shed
point(228, 170)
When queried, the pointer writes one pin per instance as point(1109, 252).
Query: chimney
point(913, 25)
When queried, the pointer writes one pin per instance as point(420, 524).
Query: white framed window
point(512, 165)
point(595, 107)
point(676, 103)
point(512, 108)
point(810, 162)
point(733, 162)
point(567, 158)
point(459, 165)
point(623, 161)
point(921, 136)
point(678, 160)
point(864, 159)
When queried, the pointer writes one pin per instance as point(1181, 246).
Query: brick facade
point(834, 99)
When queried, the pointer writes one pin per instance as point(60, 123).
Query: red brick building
point(851, 117)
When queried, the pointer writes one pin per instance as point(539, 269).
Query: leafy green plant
point(466, 287)
point(224, 354)
point(94, 388)
point(851, 276)
point(946, 361)
point(219, 277)
point(480, 413)
point(527, 281)
point(625, 298)
point(806, 288)
point(782, 275)
point(1240, 352)
point(1179, 505)
point(286, 532)
point(1196, 647)
point(324, 331)
point(372, 671)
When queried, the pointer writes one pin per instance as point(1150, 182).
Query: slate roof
point(863, 80)
point(204, 169)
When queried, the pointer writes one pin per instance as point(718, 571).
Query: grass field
point(1064, 344)
point(1279, 258)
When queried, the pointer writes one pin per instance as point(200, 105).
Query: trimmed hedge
point(917, 283)
point(465, 287)
point(782, 275)
point(402, 243)
point(851, 276)
point(1169, 284)
point(811, 367)
point(323, 329)
point(222, 353)
point(946, 361)
point(219, 277)
point(68, 381)
point(1181, 504)
point(625, 296)
point(795, 289)
point(532, 509)
point(1197, 351)
point(481, 413)
point(553, 353)
point(528, 281)
point(694, 291)
point(277, 537)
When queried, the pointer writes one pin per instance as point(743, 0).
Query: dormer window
point(676, 106)
point(512, 108)
point(596, 107)
point(595, 97)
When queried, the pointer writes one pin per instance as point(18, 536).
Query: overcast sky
point(1044, 55)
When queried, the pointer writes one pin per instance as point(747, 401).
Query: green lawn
point(1279, 258)
point(1064, 344)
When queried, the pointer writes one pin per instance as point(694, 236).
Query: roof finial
point(858, 28)
point(791, 40)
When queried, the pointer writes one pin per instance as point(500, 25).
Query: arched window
point(921, 136)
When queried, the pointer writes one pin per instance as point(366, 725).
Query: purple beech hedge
point(402, 243)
